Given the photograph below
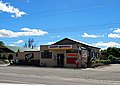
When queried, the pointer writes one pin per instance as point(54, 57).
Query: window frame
point(46, 54)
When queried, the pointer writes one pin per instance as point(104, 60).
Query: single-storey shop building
point(20, 55)
point(64, 53)
point(67, 53)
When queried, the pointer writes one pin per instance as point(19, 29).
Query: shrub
point(103, 57)
point(97, 61)
point(93, 62)
point(100, 62)
point(118, 61)
point(6, 61)
point(113, 59)
point(107, 61)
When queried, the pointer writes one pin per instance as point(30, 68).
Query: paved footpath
point(108, 75)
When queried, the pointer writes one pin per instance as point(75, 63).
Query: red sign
point(71, 60)
point(72, 54)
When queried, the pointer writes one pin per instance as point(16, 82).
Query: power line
point(87, 26)
point(60, 11)
point(92, 27)
point(78, 7)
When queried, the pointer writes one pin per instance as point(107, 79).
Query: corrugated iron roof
point(20, 49)
point(74, 41)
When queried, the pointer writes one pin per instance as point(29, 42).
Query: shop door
point(60, 59)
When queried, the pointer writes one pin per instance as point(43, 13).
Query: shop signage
point(29, 56)
point(60, 47)
point(72, 54)
point(71, 60)
point(84, 53)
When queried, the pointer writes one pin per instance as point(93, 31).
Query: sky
point(94, 22)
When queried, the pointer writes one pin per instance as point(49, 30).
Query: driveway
point(108, 75)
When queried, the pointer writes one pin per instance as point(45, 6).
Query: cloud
point(23, 32)
point(6, 7)
point(105, 45)
point(49, 43)
point(25, 29)
point(58, 36)
point(19, 42)
point(112, 29)
point(115, 34)
point(117, 30)
point(16, 43)
point(90, 35)
point(12, 45)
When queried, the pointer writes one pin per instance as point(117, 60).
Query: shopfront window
point(46, 54)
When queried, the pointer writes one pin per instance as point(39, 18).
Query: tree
point(29, 44)
point(1, 43)
point(104, 54)
point(111, 51)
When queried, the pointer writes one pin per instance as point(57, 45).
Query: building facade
point(29, 58)
point(20, 55)
point(64, 53)
point(7, 52)
point(67, 53)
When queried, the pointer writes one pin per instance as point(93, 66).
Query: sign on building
point(29, 56)
point(60, 47)
point(84, 54)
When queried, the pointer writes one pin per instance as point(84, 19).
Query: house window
point(46, 54)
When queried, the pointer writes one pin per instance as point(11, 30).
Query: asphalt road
point(58, 76)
